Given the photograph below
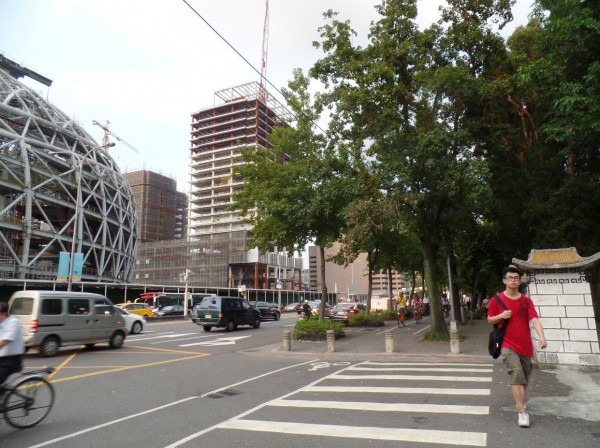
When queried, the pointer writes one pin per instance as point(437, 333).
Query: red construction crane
point(265, 50)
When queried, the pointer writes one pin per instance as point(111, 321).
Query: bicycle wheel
point(28, 402)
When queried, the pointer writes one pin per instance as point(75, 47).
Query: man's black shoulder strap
point(505, 322)
point(500, 301)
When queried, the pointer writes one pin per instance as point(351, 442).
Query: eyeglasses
point(512, 278)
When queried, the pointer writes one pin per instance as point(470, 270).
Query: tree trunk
point(438, 321)
point(370, 285)
point(390, 290)
point(323, 284)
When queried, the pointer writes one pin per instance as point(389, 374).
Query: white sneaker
point(523, 419)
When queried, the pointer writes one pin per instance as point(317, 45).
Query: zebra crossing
point(412, 402)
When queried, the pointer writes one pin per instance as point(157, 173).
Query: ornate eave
point(556, 259)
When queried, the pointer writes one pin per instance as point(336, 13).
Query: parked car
point(227, 312)
point(141, 309)
point(343, 311)
point(133, 322)
point(170, 310)
point(267, 310)
point(291, 306)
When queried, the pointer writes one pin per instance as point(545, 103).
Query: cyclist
point(417, 309)
point(11, 345)
point(306, 310)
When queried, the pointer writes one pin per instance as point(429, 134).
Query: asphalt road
point(176, 385)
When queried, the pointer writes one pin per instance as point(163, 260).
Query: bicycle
point(418, 314)
point(27, 400)
point(401, 317)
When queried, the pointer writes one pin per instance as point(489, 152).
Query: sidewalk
point(359, 342)
point(561, 392)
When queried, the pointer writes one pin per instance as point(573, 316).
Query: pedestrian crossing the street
point(412, 402)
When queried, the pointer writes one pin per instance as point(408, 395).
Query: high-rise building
point(160, 206)
point(215, 248)
point(241, 119)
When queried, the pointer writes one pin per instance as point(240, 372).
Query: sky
point(146, 66)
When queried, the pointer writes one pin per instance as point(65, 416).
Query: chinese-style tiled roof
point(556, 259)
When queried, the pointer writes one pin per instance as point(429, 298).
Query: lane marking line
point(365, 432)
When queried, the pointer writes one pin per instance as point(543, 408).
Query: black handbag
point(497, 334)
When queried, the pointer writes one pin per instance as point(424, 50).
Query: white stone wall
point(563, 300)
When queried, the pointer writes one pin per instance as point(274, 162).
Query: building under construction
point(215, 250)
point(162, 210)
point(245, 118)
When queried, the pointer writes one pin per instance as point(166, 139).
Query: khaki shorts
point(517, 366)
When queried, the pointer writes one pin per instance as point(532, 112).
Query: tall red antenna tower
point(265, 51)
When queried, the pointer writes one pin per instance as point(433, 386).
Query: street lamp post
point(186, 278)
point(77, 217)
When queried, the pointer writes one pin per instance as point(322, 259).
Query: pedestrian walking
point(485, 303)
point(517, 346)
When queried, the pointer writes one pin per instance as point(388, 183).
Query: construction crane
point(107, 132)
point(262, 94)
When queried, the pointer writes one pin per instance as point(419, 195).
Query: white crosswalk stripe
point(374, 381)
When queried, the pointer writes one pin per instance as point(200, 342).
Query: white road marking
point(384, 407)
point(420, 369)
point(139, 414)
point(355, 432)
point(397, 390)
point(169, 335)
point(218, 341)
point(475, 379)
point(372, 363)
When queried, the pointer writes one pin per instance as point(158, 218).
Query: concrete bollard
point(463, 315)
point(454, 339)
point(330, 341)
point(287, 340)
point(389, 342)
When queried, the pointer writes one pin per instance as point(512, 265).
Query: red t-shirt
point(518, 334)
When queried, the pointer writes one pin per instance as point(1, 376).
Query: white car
point(133, 322)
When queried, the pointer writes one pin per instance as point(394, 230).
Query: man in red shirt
point(517, 347)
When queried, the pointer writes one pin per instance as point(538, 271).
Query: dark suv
point(226, 312)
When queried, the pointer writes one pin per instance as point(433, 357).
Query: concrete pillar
point(287, 340)
point(389, 342)
point(454, 339)
point(330, 341)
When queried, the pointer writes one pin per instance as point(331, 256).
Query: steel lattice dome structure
point(46, 159)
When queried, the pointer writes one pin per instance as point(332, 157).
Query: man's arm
point(506, 314)
point(537, 326)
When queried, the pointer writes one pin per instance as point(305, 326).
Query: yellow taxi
point(141, 309)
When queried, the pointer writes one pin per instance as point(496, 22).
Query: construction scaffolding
point(219, 260)
point(162, 210)
point(59, 192)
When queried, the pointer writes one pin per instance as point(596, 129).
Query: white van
point(52, 319)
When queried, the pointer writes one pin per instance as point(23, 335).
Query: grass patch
point(313, 330)
point(364, 320)
point(440, 337)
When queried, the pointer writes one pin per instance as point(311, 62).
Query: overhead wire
point(244, 59)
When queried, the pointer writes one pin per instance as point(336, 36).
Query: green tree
point(295, 191)
point(409, 97)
